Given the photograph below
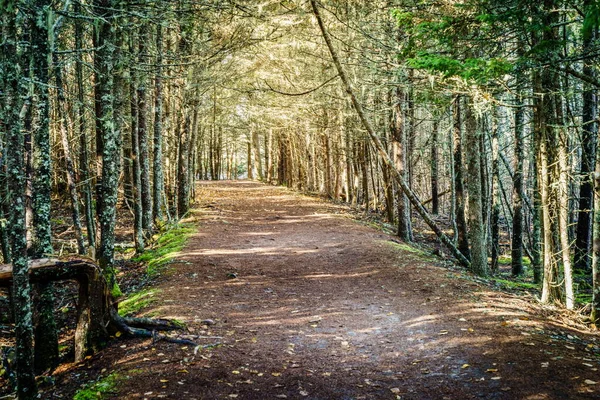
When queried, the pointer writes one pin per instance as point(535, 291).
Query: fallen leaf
point(235, 372)
point(465, 366)
point(395, 390)
point(589, 382)
point(276, 373)
point(164, 380)
point(491, 370)
point(443, 332)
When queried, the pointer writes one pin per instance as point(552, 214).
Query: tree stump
point(97, 315)
point(95, 302)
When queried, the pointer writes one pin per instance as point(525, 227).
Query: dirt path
point(326, 308)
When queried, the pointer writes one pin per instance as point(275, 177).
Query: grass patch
point(167, 246)
point(136, 301)
point(101, 389)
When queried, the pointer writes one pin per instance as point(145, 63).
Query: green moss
point(583, 298)
point(136, 301)
point(509, 284)
point(167, 246)
point(179, 323)
point(101, 389)
point(409, 249)
point(115, 291)
point(507, 260)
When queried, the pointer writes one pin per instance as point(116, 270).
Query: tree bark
point(158, 185)
point(435, 202)
point(83, 145)
point(517, 199)
point(108, 136)
point(476, 222)
point(459, 195)
point(144, 154)
point(138, 228)
point(21, 289)
point(400, 149)
point(589, 138)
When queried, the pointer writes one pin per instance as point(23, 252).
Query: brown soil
point(309, 304)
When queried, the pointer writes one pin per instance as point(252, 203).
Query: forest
point(466, 127)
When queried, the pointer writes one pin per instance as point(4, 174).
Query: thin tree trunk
point(83, 146)
point(138, 228)
point(595, 314)
point(435, 201)
point(495, 216)
point(158, 186)
point(70, 168)
point(183, 187)
point(517, 199)
point(400, 149)
point(144, 154)
point(589, 137)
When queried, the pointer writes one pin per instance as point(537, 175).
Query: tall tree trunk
point(461, 220)
point(476, 223)
point(144, 155)
point(516, 247)
point(83, 145)
point(589, 137)
point(46, 334)
point(563, 219)
point(108, 137)
point(547, 141)
point(400, 149)
point(158, 185)
point(257, 158)
point(138, 228)
point(70, 166)
point(595, 314)
point(21, 288)
point(496, 202)
point(435, 201)
point(183, 187)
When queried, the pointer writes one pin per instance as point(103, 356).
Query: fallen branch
point(412, 197)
